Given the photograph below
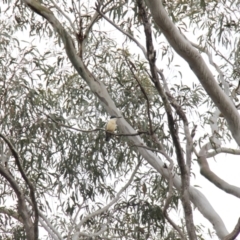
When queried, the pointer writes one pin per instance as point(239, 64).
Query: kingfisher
point(111, 127)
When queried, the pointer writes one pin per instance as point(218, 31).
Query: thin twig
point(96, 129)
point(99, 211)
point(65, 15)
point(121, 30)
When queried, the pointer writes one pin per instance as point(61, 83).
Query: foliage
point(56, 123)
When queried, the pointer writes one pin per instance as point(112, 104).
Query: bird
point(111, 127)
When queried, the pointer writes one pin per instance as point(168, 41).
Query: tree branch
point(168, 201)
point(189, 142)
point(211, 176)
point(30, 185)
point(171, 123)
point(46, 223)
point(221, 75)
point(183, 47)
point(223, 150)
point(155, 150)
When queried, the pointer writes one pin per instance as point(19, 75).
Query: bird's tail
point(108, 136)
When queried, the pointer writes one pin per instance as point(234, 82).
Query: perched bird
point(111, 127)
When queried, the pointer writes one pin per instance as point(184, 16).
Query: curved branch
point(223, 150)
point(212, 177)
point(97, 129)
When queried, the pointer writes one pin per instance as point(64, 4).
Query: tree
point(67, 66)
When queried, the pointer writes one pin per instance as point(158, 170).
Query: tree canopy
point(170, 69)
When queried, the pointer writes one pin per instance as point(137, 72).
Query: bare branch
point(49, 230)
point(211, 176)
point(96, 234)
point(175, 226)
point(97, 15)
point(89, 27)
point(223, 150)
point(221, 75)
point(96, 129)
point(74, 220)
point(168, 201)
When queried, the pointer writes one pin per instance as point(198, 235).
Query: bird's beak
point(119, 117)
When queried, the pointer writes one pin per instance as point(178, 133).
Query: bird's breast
point(111, 126)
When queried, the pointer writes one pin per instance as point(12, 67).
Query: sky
point(225, 166)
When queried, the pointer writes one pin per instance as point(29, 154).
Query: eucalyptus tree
point(66, 67)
